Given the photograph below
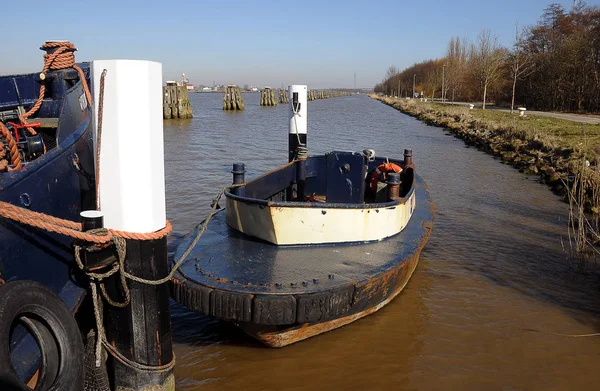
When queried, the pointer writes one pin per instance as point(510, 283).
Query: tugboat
point(309, 247)
point(82, 246)
point(47, 166)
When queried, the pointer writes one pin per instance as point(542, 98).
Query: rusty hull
point(284, 294)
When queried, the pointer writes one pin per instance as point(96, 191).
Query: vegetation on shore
point(565, 154)
point(553, 65)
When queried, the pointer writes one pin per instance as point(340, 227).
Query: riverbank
point(556, 150)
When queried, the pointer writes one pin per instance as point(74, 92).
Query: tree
point(486, 60)
point(456, 61)
point(520, 62)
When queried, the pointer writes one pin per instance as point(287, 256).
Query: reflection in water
point(484, 307)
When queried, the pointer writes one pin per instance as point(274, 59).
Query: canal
point(489, 306)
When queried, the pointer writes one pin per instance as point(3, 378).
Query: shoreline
point(523, 145)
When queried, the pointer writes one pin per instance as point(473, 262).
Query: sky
point(318, 43)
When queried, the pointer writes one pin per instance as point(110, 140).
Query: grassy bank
point(565, 154)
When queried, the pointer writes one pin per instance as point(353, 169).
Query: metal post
point(393, 184)
point(407, 157)
point(239, 171)
point(414, 80)
point(297, 117)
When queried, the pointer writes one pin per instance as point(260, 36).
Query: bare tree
point(456, 60)
point(391, 72)
point(520, 62)
point(487, 58)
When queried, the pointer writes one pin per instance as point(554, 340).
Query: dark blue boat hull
point(60, 183)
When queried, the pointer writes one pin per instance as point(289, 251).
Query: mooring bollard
point(393, 185)
point(139, 331)
point(522, 111)
point(408, 153)
point(239, 178)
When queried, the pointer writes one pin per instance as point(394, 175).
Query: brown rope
point(15, 157)
point(72, 228)
point(62, 58)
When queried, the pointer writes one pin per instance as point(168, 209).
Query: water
point(485, 308)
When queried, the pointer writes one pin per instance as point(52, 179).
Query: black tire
point(47, 318)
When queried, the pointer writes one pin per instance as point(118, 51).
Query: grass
point(558, 132)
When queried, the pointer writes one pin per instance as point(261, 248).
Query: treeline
point(552, 65)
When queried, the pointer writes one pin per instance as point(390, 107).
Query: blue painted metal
point(345, 177)
point(60, 183)
point(264, 189)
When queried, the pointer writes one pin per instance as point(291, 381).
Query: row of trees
point(553, 65)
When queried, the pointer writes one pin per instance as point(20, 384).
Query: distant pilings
point(326, 94)
point(232, 100)
point(283, 96)
point(176, 102)
point(268, 97)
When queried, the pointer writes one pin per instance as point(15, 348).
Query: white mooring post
point(132, 198)
point(298, 118)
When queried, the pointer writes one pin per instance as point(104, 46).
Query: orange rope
point(72, 228)
point(15, 157)
point(62, 58)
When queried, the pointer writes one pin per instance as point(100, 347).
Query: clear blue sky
point(319, 43)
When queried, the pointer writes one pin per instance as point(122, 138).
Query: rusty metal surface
point(227, 272)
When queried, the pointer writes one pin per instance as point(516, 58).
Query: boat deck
point(232, 276)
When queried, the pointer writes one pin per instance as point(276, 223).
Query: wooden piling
point(176, 101)
point(232, 99)
point(268, 97)
point(141, 331)
point(283, 96)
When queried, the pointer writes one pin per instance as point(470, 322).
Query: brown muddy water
point(487, 307)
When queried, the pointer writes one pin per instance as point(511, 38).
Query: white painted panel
point(298, 121)
point(289, 225)
point(132, 183)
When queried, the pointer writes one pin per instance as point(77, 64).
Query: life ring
point(383, 168)
point(55, 330)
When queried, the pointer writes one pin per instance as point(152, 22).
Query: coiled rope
point(15, 156)
point(62, 58)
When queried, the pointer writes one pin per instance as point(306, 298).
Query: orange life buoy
point(383, 168)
